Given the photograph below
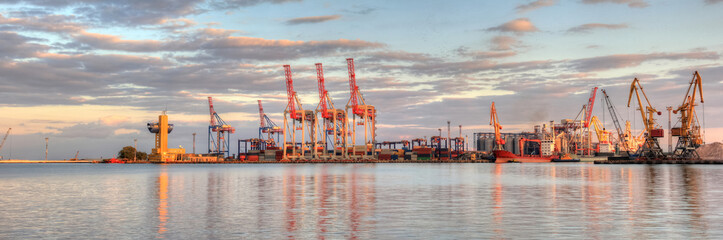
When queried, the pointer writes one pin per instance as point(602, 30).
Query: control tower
point(161, 153)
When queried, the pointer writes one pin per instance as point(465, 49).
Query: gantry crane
point(5, 138)
point(689, 138)
point(650, 148)
point(304, 118)
point(366, 113)
point(499, 142)
point(267, 129)
point(334, 125)
point(220, 143)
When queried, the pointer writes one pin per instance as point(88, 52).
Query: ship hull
point(502, 156)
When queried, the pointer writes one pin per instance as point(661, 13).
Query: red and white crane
point(366, 113)
point(334, 125)
point(304, 118)
point(218, 144)
point(268, 128)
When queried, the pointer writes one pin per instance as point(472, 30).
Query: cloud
point(630, 3)
point(131, 12)
point(314, 19)
point(630, 60)
point(141, 12)
point(519, 26)
point(47, 23)
point(503, 43)
point(233, 4)
point(713, 1)
point(463, 51)
point(13, 45)
point(584, 28)
point(110, 63)
point(114, 120)
point(397, 56)
point(522, 8)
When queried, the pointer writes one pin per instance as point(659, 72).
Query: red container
point(252, 158)
point(657, 133)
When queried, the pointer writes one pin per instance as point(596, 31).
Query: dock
point(660, 161)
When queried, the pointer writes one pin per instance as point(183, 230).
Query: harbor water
point(360, 201)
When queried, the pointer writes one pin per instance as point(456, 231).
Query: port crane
point(267, 129)
point(587, 140)
point(366, 113)
point(218, 144)
point(650, 148)
point(76, 156)
point(300, 120)
point(334, 121)
point(616, 122)
point(689, 138)
point(499, 142)
point(603, 136)
point(5, 138)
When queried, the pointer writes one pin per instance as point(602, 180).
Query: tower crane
point(366, 113)
point(499, 142)
point(650, 148)
point(218, 144)
point(5, 138)
point(689, 138)
point(334, 125)
point(267, 129)
point(304, 118)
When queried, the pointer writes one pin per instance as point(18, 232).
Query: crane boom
point(323, 94)
point(496, 125)
point(602, 134)
point(354, 89)
point(291, 94)
point(616, 122)
point(5, 138)
point(650, 149)
point(212, 112)
point(261, 115)
point(588, 110)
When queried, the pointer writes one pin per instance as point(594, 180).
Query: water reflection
point(428, 201)
point(162, 202)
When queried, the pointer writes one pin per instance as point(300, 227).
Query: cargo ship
point(503, 156)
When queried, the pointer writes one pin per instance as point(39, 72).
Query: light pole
point(670, 131)
point(135, 149)
point(46, 149)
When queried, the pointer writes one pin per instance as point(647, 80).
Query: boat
point(503, 156)
point(565, 158)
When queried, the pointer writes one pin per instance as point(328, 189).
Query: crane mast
point(616, 122)
point(499, 142)
point(334, 121)
point(366, 113)
point(651, 148)
point(304, 118)
point(689, 138)
point(269, 128)
point(219, 144)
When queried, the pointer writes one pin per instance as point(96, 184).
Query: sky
point(89, 74)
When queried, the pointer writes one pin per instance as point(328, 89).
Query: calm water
point(387, 201)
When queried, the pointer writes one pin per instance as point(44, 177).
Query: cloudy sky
point(89, 74)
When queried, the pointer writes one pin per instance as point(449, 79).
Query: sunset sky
point(89, 74)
